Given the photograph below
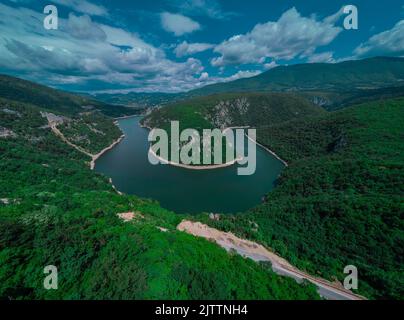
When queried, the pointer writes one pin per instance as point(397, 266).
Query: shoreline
point(261, 145)
point(102, 152)
point(113, 187)
point(190, 167)
point(127, 117)
point(209, 167)
point(270, 151)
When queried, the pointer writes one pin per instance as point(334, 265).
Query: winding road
point(258, 253)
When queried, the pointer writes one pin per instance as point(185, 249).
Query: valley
point(337, 203)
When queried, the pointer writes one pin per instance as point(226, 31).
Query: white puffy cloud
point(209, 8)
point(240, 75)
point(83, 51)
point(178, 24)
point(83, 6)
point(291, 36)
point(187, 49)
point(327, 57)
point(270, 65)
point(204, 76)
point(387, 42)
point(82, 27)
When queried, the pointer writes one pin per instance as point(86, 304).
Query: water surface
point(183, 190)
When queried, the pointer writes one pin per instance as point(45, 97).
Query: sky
point(178, 45)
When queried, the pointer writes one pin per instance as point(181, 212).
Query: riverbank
point(98, 155)
point(128, 117)
point(212, 167)
point(260, 145)
point(189, 167)
point(270, 151)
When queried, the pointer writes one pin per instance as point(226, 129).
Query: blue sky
point(179, 45)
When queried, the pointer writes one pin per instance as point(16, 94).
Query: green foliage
point(138, 100)
point(91, 131)
point(60, 213)
point(233, 109)
point(340, 200)
point(368, 73)
point(62, 102)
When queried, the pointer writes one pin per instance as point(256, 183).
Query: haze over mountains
point(337, 203)
point(369, 73)
point(29, 92)
point(328, 84)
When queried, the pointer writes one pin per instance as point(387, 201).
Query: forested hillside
point(55, 211)
point(340, 201)
point(233, 109)
point(378, 72)
point(28, 92)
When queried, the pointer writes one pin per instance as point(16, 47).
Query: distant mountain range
point(19, 90)
point(234, 109)
point(338, 203)
point(328, 85)
point(372, 73)
point(139, 100)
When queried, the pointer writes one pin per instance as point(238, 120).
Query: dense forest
point(233, 109)
point(371, 73)
point(62, 102)
point(55, 211)
point(340, 200)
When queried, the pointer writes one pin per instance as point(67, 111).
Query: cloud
point(83, 28)
point(39, 58)
point(204, 76)
point(88, 54)
point(209, 8)
point(163, 84)
point(241, 75)
point(327, 57)
point(178, 24)
point(384, 43)
point(187, 49)
point(270, 65)
point(291, 36)
point(83, 6)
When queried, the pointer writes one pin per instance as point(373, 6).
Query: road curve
point(258, 253)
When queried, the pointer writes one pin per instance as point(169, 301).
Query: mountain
point(19, 90)
point(339, 202)
point(55, 211)
point(140, 100)
point(369, 73)
point(233, 109)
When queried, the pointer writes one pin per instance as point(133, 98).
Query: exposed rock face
point(320, 101)
point(93, 129)
point(129, 216)
point(214, 216)
point(6, 133)
point(225, 111)
point(12, 112)
point(340, 143)
point(53, 119)
point(89, 107)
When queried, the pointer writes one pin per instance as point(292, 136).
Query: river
point(183, 190)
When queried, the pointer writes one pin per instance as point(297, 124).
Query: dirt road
point(259, 253)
